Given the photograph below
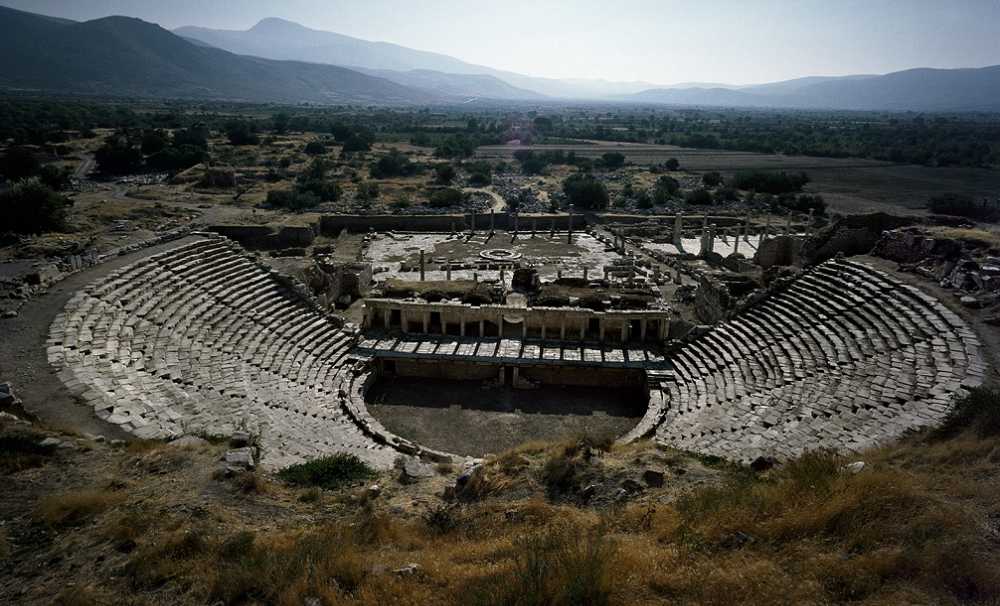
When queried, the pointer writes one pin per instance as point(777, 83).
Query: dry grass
point(981, 237)
point(76, 507)
point(5, 548)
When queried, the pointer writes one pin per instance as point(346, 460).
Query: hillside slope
point(125, 56)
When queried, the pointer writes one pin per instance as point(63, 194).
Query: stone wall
point(268, 236)
point(334, 224)
point(780, 250)
point(851, 235)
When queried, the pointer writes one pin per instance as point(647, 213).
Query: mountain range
point(281, 61)
point(122, 56)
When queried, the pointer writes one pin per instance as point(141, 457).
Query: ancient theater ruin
point(672, 315)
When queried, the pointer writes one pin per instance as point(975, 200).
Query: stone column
point(386, 318)
point(543, 330)
point(767, 229)
point(600, 330)
point(711, 237)
point(569, 236)
point(746, 229)
point(448, 270)
point(678, 228)
point(788, 224)
point(461, 328)
point(534, 225)
point(404, 321)
point(552, 227)
point(625, 324)
point(642, 329)
point(482, 329)
point(493, 219)
point(585, 271)
point(736, 241)
point(421, 266)
point(705, 247)
point(427, 322)
point(524, 329)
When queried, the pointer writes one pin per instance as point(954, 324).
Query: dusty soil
point(465, 418)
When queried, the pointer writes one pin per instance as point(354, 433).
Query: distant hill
point(280, 39)
point(925, 89)
point(125, 56)
point(456, 85)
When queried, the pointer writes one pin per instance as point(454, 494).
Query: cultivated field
point(847, 184)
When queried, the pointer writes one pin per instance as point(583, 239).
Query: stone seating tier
point(201, 339)
point(844, 358)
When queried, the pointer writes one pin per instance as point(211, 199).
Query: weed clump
point(328, 472)
point(557, 566)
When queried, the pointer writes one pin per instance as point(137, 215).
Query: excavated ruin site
point(454, 342)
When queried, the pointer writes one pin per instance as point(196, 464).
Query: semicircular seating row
point(844, 358)
point(202, 339)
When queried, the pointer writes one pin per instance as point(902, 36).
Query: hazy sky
point(661, 41)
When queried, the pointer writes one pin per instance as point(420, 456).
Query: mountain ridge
point(128, 56)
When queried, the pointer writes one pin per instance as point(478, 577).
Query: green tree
point(29, 207)
point(20, 163)
point(315, 148)
point(444, 174)
point(119, 155)
point(699, 197)
point(613, 160)
point(242, 132)
point(672, 164)
point(711, 179)
point(585, 192)
point(446, 197)
point(665, 189)
point(280, 122)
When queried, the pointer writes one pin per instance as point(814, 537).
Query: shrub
point(328, 472)
point(30, 207)
point(118, 155)
point(978, 412)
